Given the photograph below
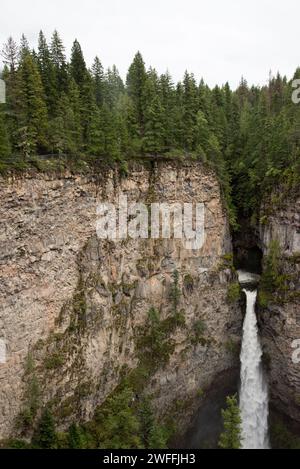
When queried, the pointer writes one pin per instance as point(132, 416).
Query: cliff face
point(280, 323)
point(74, 308)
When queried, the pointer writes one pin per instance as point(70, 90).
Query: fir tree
point(58, 58)
point(231, 438)
point(5, 149)
point(33, 111)
point(47, 72)
point(24, 47)
point(136, 82)
point(76, 437)
point(77, 65)
point(99, 82)
point(96, 144)
point(114, 87)
point(46, 436)
point(154, 134)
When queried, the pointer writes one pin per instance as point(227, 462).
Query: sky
point(219, 40)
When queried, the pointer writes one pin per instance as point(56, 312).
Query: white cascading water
point(254, 403)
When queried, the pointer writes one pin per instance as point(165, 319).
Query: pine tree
point(46, 436)
point(58, 58)
point(190, 108)
point(76, 437)
point(47, 73)
point(112, 145)
point(231, 438)
point(118, 425)
point(114, 87)
point(96, 144)
point(33, 111)
point(136, 82)
point(154, 436)
point(99, 83)
point(168, 102)
point(77, 65)
point(10, 54)
point(154, 134)
point(24, 47)
point(5, 149)
point(75, 115)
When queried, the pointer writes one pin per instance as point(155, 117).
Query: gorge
point(75, 309)
point(146, 341)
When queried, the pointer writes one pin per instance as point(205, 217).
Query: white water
point(254, 390)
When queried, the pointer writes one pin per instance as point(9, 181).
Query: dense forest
point(57, 107)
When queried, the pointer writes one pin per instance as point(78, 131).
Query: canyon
point(280, 320)
point(74, 307)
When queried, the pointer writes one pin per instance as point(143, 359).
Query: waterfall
point(254, 389)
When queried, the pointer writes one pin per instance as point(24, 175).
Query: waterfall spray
point(254, 389)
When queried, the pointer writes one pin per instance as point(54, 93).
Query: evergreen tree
point(10, 54)
point(33, 111)
point(154, 436)
point(47, 72)
point(190, 109)
point(167, 97)
point(231, 438)
point(114, 87)
point(5, 149)
point(99, 82)
point(154, 134)
point(118, 426)
point(77, 65)
point(96, 144)
point(24, 47)
point(136, 82)
point(58, 58)
point(76, 437)
point(45, 437)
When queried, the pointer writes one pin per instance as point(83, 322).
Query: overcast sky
point(218, 40)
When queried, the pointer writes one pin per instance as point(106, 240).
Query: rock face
point(280, 323)
point(73, 305)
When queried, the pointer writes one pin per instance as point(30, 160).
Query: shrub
point(233, 292)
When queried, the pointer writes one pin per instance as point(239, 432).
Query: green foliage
point(199, 330)
point(231, 438)
point(233, 292)
point(233, 347)
point(175, 291)
point(154, 436)
point(45, 436)
point(116, 424)
point(282, 438)
point(32, 396)
point(15, 444)
point(188, 283)
point(274, 282)
point(55, 360)
point(4, 141)
point(154, 344)
point(227, 263)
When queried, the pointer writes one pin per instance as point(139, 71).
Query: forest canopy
point(60, 108)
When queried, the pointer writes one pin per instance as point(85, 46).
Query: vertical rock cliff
point(280, 318)
point(75, 309)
